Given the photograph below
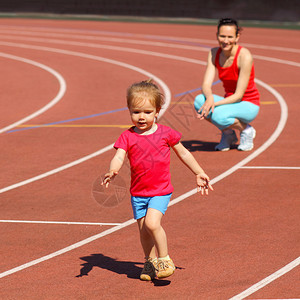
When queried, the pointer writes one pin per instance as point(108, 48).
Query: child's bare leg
point(164, 266)
point(155, 230)
point(146, 239)
point(148, 273)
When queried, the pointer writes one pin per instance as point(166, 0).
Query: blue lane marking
point(123, 108)
point(99, 114)
point(70, 120)
point(187, 92)
point(194, 90)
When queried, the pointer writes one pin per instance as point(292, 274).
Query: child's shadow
point(120, 267)
point(104, 262)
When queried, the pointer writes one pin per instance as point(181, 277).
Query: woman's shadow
point(196, 145)
point(129, 268)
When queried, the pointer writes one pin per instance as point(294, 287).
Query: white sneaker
point(246, 140)
point(227, 140)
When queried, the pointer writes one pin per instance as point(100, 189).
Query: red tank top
point(229, 76)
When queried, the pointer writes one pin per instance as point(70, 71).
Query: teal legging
point(225, 115)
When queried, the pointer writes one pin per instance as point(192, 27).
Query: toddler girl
point(147, 145)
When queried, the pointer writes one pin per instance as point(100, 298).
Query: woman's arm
point(207, 83)
point(188, 159)
point(115, 166)
point(209, 74)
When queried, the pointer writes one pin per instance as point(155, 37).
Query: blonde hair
point(138, 90)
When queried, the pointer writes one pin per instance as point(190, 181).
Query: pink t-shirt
point(149, 157)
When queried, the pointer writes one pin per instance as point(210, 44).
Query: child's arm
point(115, 166)
point(188, 159)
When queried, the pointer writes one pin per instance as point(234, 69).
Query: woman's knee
point(220, 120)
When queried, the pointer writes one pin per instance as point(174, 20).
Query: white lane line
point(160, 82)
point(147, 52)
point(165, 88)
point(99, 38)
point(59, 223)
point(174, 39)
point(274, 48)
point(54, 171)
point(116, 48)
point(267, 280)
point(58, 97)
point(262, 148)
point(277, 60)
point(271, 168)
point(274, 136)
point(67, 249)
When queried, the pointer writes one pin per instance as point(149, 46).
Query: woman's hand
point(206, 108)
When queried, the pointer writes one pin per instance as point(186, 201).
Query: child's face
point(143, 114)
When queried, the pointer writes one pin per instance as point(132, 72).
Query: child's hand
point(108, 177)
point(203, 183)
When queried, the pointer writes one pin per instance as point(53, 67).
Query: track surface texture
point(63, 86)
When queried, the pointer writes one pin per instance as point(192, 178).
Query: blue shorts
point(140, 205)
point(225, 115)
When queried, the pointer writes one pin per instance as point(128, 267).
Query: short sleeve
point(173, 137)
point(122, 141)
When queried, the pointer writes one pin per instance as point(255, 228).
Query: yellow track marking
point(285, 85)
point(114, 126)
point(267, 102)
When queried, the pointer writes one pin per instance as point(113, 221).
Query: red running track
point(240, 242)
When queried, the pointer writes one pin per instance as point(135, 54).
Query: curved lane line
point(67, 52)
point(166, 92)
point(57, 170)
point(272, 139)
point(165, 88)
point(58, 97)
point(257, 152)
point(146, 52)
point(101, 46)
point(173, 39)
point(56, 124)
point(251, 290)
point(95, 39)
